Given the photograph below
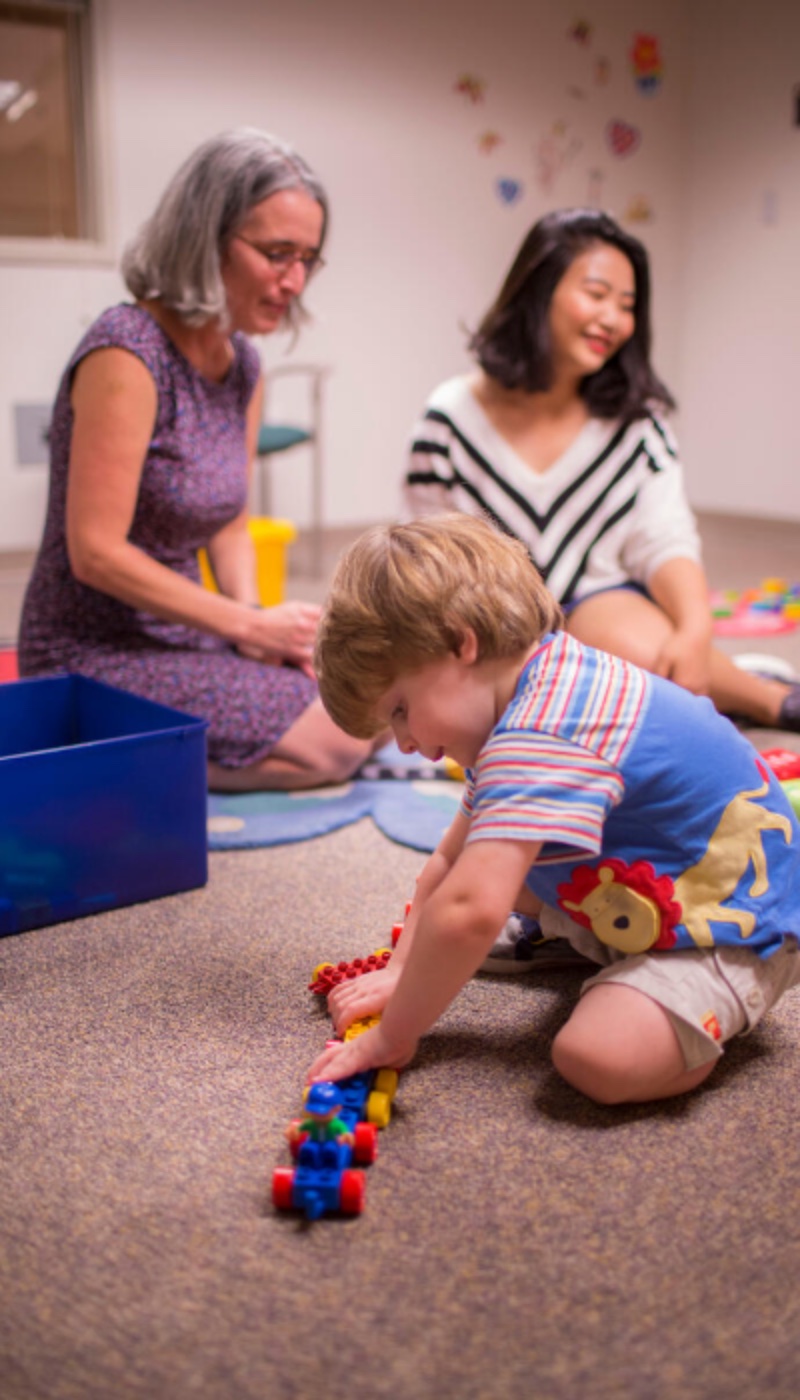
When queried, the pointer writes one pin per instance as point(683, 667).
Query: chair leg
point(316, 479)
point(264, 485)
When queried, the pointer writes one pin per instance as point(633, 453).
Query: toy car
point(324, 1179)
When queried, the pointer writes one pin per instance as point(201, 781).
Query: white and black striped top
point(612, 508)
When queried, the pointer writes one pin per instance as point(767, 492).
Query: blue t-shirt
point(661, 827)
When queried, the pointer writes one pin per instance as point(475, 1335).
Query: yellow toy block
point(271, 539)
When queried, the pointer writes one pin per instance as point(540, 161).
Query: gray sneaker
point(522, 947)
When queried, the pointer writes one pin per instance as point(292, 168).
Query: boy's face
point(449, 707)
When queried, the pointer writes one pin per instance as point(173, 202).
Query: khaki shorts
point(709, 994)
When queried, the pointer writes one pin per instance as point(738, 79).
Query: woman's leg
point(738, 692)
point(619, 1046)
point(631, 626)
point(310, 754)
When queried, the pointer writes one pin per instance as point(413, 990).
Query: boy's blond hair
point(404, 595)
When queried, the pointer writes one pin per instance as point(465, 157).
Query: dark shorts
point(629, 587)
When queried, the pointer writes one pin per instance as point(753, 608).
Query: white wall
point(741, 377)
point(419, 239)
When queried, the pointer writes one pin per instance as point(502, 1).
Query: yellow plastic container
point(271, 539)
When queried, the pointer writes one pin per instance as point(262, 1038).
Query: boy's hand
point(364, 996)
point(372, 1050)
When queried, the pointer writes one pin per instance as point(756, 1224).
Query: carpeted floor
point(517, 1241)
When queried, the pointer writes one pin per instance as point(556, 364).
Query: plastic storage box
point(102, 800)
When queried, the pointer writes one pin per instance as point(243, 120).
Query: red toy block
point(328, 975)
point(783, 762)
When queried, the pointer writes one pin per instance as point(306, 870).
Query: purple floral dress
point(194, 481)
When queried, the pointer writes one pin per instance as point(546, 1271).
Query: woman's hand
point(685, 658)
point(680, 589)
point(372, 1050)
point(284, 633)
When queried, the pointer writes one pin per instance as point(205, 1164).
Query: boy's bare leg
point(619, 1046)
point(527, 903)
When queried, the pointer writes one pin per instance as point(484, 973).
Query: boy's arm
point(456, 928)
point(367, 996)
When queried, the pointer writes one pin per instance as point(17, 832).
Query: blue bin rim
point(181, 724)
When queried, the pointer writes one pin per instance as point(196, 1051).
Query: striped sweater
point(612, 508)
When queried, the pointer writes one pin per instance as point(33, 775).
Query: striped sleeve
point(428, 482)
point(552, 770)
point(530, 786)
point(663, 526)
point(448, 471)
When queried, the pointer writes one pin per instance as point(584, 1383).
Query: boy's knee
point(624, 1071)
point(604, 1075)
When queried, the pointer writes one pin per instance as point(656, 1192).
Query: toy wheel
point(379, 1109)
point(386, 1082)
point(351, 1193)
point(283, 1188)
point(365, 1146)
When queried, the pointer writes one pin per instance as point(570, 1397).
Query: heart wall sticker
point(509, 191)
point(623, 139)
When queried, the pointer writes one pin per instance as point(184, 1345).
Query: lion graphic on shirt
point(630, 908)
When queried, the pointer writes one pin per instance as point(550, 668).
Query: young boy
point(624, 811)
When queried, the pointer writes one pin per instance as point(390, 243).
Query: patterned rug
point(410, 805)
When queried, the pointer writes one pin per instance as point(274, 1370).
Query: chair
point(280, 437)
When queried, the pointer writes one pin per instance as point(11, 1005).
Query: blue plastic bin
point(102, 800)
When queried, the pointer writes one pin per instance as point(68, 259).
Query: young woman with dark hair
point(559, 438)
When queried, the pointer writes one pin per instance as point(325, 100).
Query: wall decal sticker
point(594, 196)
point(623, 139)
point(553, 152)
point(488, 141)
point(580, 33)
point(508, 191)
point(470, 86)
point(648, 69)
point(639, 210)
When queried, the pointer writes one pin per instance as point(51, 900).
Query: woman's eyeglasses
point(282, 256)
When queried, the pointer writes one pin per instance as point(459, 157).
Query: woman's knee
point(316, 744)
point(342, 761)
point(624, 623)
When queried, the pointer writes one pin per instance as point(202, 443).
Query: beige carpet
point(517, 1241)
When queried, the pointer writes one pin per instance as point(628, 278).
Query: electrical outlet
point(32, 433)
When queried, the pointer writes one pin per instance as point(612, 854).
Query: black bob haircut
point(512, 342)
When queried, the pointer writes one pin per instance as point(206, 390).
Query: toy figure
point(322, 1130)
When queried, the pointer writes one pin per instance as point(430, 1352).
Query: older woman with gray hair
point(153, 434)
